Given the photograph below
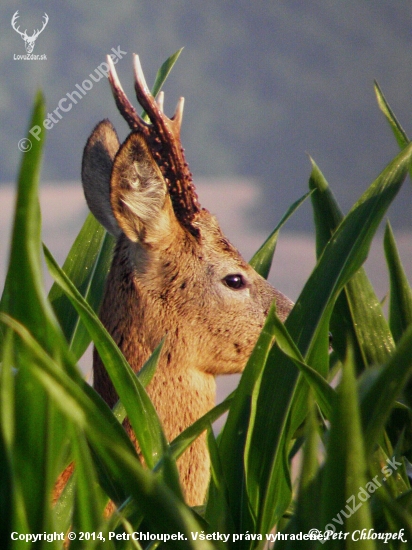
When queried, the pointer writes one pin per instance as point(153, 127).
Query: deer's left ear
point(138, 193)
point(97, 163)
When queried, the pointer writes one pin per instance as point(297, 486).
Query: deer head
point(29, 41)
point(174, 274)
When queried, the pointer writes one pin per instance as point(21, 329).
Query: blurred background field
point(266, 83)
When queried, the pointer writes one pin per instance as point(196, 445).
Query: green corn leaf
point(345, 461)
point(309, 487)
point(86, 265)
point(140, 410)
point(357, 317)
point(25, 270)
point(219, 518)
point(269, 490)
point(262, 259)
point(325, 394)
point(89, 501)
point(400, 304)
point(397, 129)
point(186, 438)
point(233, 436)
point(399, 514)
point(41, 433)
point(144, 375)
point(9, 487)
point(73, 396)
point(164, 512)
point(161, 77)
point(307, 516)
point(381, 387)
point(164, 72)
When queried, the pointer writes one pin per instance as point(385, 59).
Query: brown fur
point(169, 281)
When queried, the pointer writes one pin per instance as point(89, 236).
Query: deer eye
point(235, 281)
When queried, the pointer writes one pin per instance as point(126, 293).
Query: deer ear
point(98, 156)
point(139, 196)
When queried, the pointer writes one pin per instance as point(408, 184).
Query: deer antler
point(13, 24)
point(36, 33)
point(163, 138)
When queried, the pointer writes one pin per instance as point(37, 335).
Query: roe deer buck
point(173, 273)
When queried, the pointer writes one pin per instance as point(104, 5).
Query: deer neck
point(137, 321)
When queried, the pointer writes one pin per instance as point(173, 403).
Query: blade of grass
point(272, 425)
point(345, 461)
point(39, 429)
point(397, 129)
point(380, 388)
point(262, 259)
point(400, 304)
point(357, 317)
point(7, 483)
point(142, 415)
point(325, 394)
point(144, 375)
point(233, 436)
point(186, 438)
point(307, 516)
point(89, 501)
point(87, 266)
point(161, 77)
point(163, 510)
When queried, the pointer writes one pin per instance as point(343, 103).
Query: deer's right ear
point(139, 195)
point(98, 156)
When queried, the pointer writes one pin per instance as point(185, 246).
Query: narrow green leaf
point(7, 484)
point(325, 394)
point(164, 512)
point(397, 129)
point(273, 426)
point(86, 265)
point(262, 259)
point(381, 386)
point(161, 77)
point(219, 517)
point(400, 304)
point(25, 270)
point(306, 516)
point(400, 516)
point(345, 461)
point(309, 489)
point(144, 375)
point(164, 71)
point(140, 410)
point(39, 429)
point(89, 504)
point(186, 438)
point(233, 437)
point(357, 317)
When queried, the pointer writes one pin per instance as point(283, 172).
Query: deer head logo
point(29, 41)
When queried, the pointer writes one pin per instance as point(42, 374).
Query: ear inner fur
point(138, 190)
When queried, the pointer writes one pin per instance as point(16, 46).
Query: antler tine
point(160, 99)
point(163, 138)
point(144, 97)
point(123, 104)
point(178, 116)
